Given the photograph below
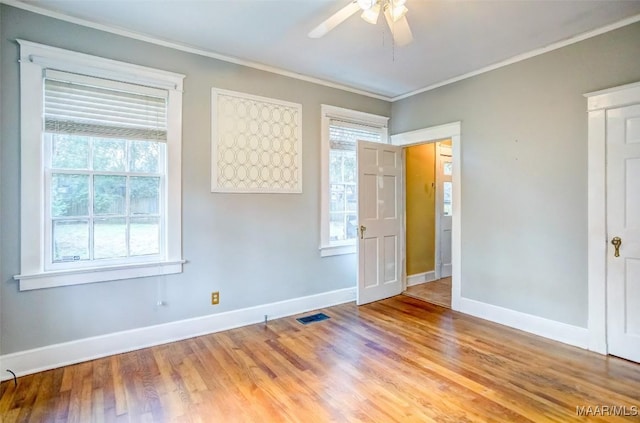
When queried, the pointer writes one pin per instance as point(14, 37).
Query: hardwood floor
point(435, 292)
point(395, 360)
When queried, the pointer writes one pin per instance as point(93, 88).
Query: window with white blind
point(341, 129)
point(101, 146)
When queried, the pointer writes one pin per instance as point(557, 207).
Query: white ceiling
point(451, 38)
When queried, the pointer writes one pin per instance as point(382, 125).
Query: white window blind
point(343, 135)
point(81, 105)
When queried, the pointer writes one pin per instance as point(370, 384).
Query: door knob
point(362, 230)
point(617, 242)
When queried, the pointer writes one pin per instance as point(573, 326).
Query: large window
point(341, 129)
point(100, 169)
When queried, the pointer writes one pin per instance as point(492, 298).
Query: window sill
point(97, 274)
point(337, 250)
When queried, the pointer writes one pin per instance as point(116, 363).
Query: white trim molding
point(47, 57)
point(420, 278)
point(432, 134)
point(597, 104)
point(558, 331)
point(58, 355)
point(453, 131)
point(97, 274)
point(35, 271)
point(190, 49)
point(338, 250)
point(524, 56)
point(278, 71)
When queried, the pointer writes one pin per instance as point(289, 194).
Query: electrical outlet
point(215, 298)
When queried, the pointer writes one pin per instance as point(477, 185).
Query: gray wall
point(253, 248)
point(524, 171)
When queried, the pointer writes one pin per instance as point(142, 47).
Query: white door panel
point(444, 192)
point(379, 211)
point(623, 221)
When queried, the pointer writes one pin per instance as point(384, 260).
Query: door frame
point(439, 205)
point(597, 104)
point(434, 134)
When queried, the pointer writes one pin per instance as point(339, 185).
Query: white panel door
point(379, 214)
point(623, 224)
point(444, 209)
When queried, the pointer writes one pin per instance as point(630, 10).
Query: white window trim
point(327, 112)
point(34, 59)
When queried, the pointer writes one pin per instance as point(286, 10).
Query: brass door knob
point(617, 242)
point(362, 230)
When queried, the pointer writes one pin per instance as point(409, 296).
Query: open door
point(379, 210)
point(623, 228)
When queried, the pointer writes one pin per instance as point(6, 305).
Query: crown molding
point(188, 49)
point(524, 56)
point(272, 69)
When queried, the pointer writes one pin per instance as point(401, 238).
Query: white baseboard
point(57, 355)
point(558, 331)
point(419, 278)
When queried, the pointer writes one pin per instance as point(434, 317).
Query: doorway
point(448, 132)
point(428, 214)
point(614, 207)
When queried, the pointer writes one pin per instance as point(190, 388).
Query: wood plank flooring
point(397, 360)
point(435, 292)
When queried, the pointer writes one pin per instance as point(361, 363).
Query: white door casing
point(379, 212)
point(599, 246)
point(443, 212)
point(452, 131)
point(623, 223)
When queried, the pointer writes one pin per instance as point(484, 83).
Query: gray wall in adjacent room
point(253, 248)
point(524, 171)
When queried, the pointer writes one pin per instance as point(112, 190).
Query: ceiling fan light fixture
point(398, 12)
point(394, 12)
point(367, 4)
point(371, 15)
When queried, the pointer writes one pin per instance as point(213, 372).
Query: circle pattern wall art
point(256, 144)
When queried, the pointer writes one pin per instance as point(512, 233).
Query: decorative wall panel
point(256, 144)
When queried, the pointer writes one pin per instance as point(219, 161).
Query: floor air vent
point(318, 317)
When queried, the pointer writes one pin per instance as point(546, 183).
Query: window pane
point(337, 227)
point(69, 195)
point(70, 240)
point(350, 169)
point(69, 152)
point(337, 198)
point(144, 157)
point(109, 194)
point(145, 195)
point(351, 226)
point(335, 166)
point(109, 154)
point(144, 236)
point(109, 238)
point(352, 197)
point(448, 186)
point(448, 168)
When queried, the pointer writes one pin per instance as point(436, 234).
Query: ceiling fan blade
point(335, 20)
point(400, 29)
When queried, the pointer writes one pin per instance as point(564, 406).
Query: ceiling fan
point(394, 12)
